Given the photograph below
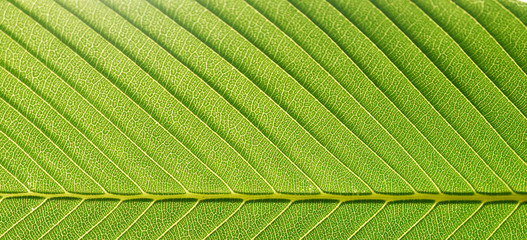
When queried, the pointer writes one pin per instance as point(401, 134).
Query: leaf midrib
point(441, 197)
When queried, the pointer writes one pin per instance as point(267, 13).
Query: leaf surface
point(243, 119)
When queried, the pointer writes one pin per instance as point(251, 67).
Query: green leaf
point(275, 119)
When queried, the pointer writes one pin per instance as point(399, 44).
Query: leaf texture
point(276, 119)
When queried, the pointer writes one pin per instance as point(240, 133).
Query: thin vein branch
point(91, 105)
point(367, 221)
point(135, 102)
point(33, 160)
point(504, 220)
point(225, 220)
point(137, 219)
point(24, 217)
point(383, 94)
point(62, 219)
point(272, 220)
point(177, 221)
point(466, 220)
point(102, 219)
point(282, 108)
point(431, 105)
point(238, 110)
point(321, 220)
point(75, 127)
point(162, 47)
point(53, 143)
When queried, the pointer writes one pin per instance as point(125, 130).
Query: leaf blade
point(247, 119)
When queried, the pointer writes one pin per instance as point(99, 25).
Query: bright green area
point(276, 119)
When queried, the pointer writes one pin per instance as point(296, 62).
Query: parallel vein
point(433, 107)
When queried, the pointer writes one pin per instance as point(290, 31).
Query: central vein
point(291, 197)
